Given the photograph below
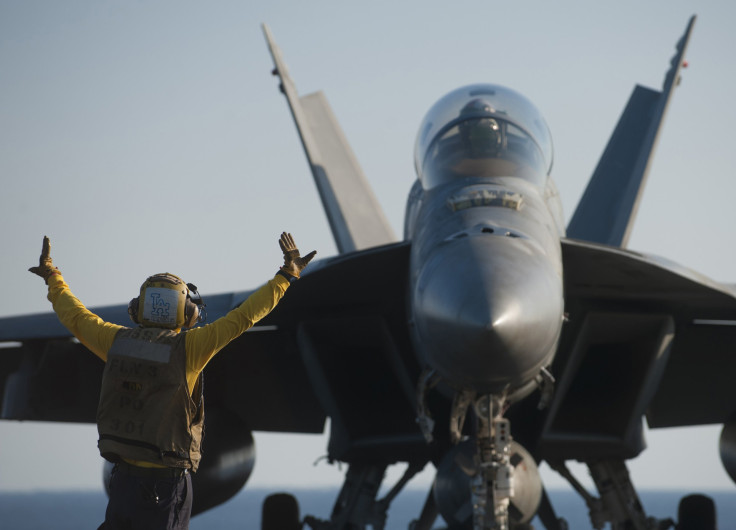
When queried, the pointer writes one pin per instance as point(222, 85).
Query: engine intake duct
point(613, 371)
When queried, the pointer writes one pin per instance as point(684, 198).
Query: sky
point(150, 136)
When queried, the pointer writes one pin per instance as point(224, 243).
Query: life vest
point(146, 411)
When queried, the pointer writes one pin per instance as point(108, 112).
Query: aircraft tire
point(696, 512)
point(280, 512)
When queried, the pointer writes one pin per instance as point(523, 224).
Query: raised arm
point(96, 334)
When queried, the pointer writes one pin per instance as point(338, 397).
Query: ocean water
point(80, 510)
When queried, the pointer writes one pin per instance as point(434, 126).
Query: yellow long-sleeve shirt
point(202, 343)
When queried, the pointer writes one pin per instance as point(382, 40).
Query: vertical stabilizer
point(608, 207)
point(356, 219)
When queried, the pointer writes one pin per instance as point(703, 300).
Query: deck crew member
point(150, 416)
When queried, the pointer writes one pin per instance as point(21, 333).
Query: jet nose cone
point(488, 312)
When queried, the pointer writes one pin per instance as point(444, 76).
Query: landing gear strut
point(501, 478)
point(490, 469)
point(492, 487)
point(356, 506)
point(619, 503)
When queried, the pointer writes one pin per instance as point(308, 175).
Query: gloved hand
point(293, 263)
point(45, 266)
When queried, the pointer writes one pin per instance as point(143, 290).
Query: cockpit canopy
point(483, 131)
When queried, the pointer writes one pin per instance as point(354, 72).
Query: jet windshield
point(483, 131)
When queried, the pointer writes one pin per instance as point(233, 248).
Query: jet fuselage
point(486, 295)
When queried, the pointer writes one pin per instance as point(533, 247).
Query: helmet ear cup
point(191, 313)
point(133, 310)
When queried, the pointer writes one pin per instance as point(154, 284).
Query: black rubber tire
point(280, 512)
point(696, 512)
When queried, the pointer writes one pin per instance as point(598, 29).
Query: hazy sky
point(150, 136)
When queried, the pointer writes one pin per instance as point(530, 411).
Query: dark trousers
point(148, 502)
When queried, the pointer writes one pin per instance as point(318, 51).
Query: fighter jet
point(490, 338)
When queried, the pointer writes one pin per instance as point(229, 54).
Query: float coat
point(146, 410)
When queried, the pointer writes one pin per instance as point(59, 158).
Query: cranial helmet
point(481, 134)
point(166, 302)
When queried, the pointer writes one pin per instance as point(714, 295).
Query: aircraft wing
point(644, 336)
point(46, 375)
point(355, 217)
point(607, 210)
point(336, 344)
